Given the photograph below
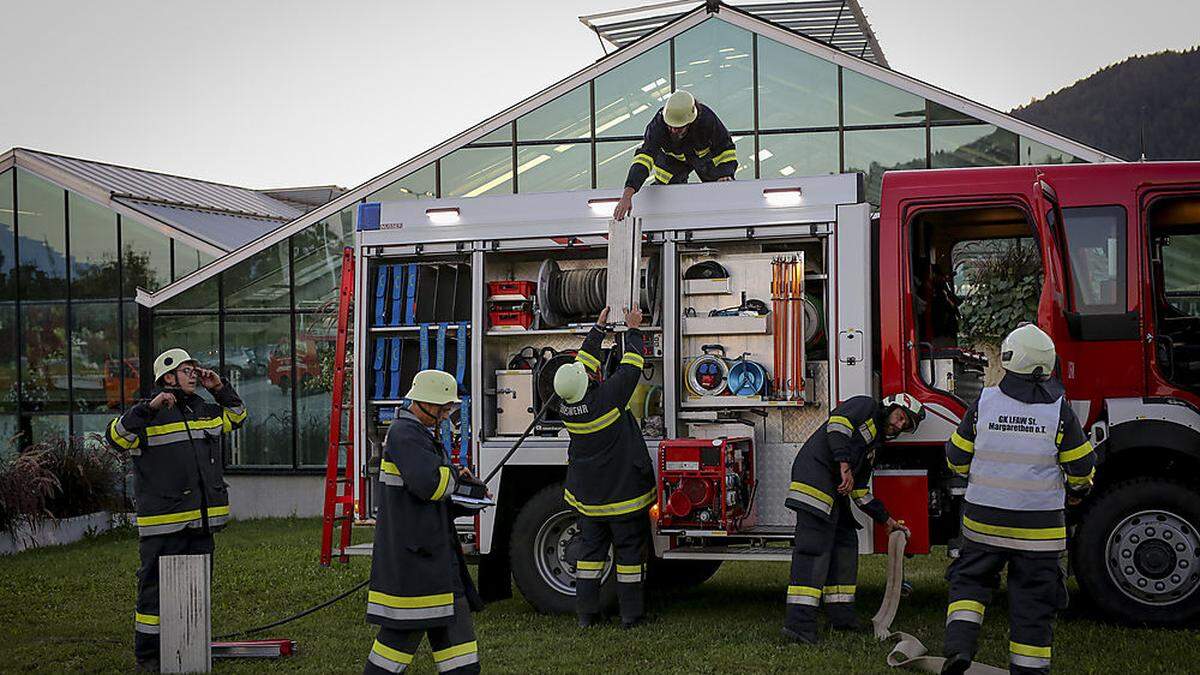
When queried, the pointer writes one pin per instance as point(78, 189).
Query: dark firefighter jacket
point(852, 434)
point(177, 477)
point(608, 468)
point(1018, 446)
point(417, 565)
point(707, 147)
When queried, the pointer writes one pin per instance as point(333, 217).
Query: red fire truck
point(1106, 258)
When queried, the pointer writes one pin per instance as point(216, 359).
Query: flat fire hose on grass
point(908, 652)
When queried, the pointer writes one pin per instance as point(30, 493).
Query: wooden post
point(185, 609)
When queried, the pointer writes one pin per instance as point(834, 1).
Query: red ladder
point(333, 463)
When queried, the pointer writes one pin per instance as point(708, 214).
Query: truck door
point(1171, 223)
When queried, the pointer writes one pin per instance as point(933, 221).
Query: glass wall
point(791, 114)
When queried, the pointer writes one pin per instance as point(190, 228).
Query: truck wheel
point(543, 551)
point(1138, 552)
point(679, 575)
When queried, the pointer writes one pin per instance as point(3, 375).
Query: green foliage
point(1108, 109)
point(1002, 291)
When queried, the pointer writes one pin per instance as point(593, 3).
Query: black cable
point(310, 610)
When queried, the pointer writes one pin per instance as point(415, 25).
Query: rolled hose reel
point(708, 374)
point(573, 294)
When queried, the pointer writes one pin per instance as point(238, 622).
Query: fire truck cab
point(501, 289)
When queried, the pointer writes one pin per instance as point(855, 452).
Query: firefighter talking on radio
point(419, 578)
point(684, 136)
point(175, 440)
point(609, 478)
point(833, 467)
point(1023, 452)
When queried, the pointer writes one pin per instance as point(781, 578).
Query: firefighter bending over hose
point(1017, 446)
point(179, 486)
point(609, 478)
point(683, 136)
point(419, 579)
point(833, 467)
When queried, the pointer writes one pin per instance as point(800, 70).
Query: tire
point(679, 575)
point(542, 554)
point(1137, 552)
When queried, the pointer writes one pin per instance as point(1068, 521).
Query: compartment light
point(783, 196)
point(603, 207)
point(443, 216)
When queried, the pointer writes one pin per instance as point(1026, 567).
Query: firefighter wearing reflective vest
point(419, 578)
point(832, 468)
point(684, 136)
point(175, 440)
point(609, 478)
point(1023, 452)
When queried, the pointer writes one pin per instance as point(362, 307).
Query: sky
point(299, 92)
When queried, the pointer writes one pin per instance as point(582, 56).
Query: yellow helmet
point(169, 360)
point(433, 386)
point(680, 109)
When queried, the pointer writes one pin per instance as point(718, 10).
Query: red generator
point(705, 484)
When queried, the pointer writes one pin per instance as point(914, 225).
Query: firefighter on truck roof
point(609, 478)
point(419, 579)
point(684, 136)
point(1017, 446)
point(833, 467)
point(179, 487)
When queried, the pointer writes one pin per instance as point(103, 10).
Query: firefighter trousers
point(190, 541)
point(1035, 591)
point(454, 647)
point(628, 538)
point(824, 569)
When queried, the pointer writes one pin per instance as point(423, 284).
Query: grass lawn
point(71, 609)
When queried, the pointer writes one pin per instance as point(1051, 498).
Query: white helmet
point(1028, 351)
point(680, 109)
point(434, 387)
point(169, 360)
point(911, 406)
point(571, 382)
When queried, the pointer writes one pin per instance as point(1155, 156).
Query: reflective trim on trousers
point(803, 595)
point(410, 608)
point(457, 656)
point(589, 569)
point(146, 623)
point(809, 495)
point(630, 574)
point(167, 523)
point(1028, 656)
point(391, 660)
point(965, 610)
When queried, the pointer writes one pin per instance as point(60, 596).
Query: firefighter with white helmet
point(419, 578)
point(610, 481)
point(1023, 452)
point(684, 136)
point(174, 438)
point(832, 468)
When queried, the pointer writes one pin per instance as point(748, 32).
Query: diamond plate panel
point(786, 430)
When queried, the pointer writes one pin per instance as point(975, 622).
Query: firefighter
point(175, 440)
point(1017, 446)
point(832, 468)
point(684, 136)
point(419, 578)
point(609, 478)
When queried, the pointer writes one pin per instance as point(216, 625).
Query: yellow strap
point(961, 469)
point(812, 492)
point(965, 605)
point(180, 517)
point(729, 155)
point(455, 651)
point(589, 565)
point(590, 362)
point(613, 509)
point(804, 590)
point(444, 472)
point(962, 443)
point(410, 601)
point(598, 424)
point(632, 359)
point(391, 654)
point(146, 619)
point(1029, 650)
point(1076, 481)
point(1034, 533)
point(1077, 453)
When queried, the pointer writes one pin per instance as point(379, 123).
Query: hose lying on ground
point(310, 610)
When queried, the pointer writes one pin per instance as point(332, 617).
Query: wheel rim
point(554, 551)
point(1154, 557)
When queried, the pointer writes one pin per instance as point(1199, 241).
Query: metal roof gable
point(678, 25)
